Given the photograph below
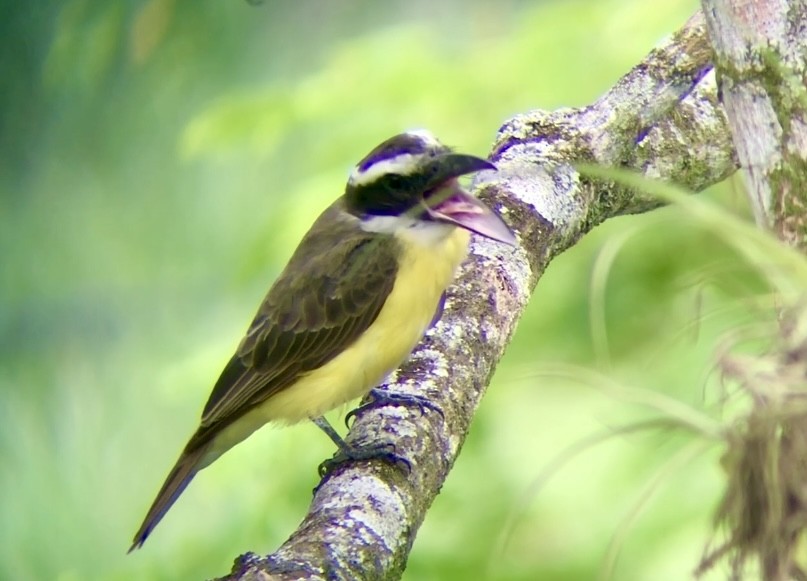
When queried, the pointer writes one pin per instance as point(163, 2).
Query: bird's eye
point(395, 181)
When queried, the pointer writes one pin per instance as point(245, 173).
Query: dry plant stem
point(764, 508)
point(760, 48)
point(662, 119)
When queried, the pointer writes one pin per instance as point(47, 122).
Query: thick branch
point(662, 119)
point(760, 49)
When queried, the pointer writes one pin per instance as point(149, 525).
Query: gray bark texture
point(663, 120)
point(760, 49)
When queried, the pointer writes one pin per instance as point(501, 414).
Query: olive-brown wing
point(320, 304)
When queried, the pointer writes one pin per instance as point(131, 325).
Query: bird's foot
point(351, 453)
point(385, 452)
point(381, 397)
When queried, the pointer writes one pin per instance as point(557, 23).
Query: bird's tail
point(181, 475)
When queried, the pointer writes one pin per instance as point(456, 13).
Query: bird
point(362, 288)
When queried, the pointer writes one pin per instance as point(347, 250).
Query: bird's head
point(410, 181)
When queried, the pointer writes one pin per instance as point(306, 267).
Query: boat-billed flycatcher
point(363, 286)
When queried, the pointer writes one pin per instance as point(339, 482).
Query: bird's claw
point(385, 452)
point(381, 397)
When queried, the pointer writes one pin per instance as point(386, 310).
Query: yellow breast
point(426, 269)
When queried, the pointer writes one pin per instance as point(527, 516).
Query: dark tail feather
point(181, 475)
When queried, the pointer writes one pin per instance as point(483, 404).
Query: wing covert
point(325, 298)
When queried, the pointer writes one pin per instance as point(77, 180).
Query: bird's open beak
point(449, 202)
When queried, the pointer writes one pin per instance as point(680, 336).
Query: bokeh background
point(159, 161)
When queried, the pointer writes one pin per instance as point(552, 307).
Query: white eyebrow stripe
point(426, 136)
point(403, 164)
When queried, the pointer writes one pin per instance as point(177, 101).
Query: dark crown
point(395, 175)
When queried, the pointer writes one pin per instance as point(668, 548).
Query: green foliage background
point(158, 163)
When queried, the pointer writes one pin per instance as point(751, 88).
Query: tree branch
point(760, 47)
point(761, 59)
point(662, 119)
